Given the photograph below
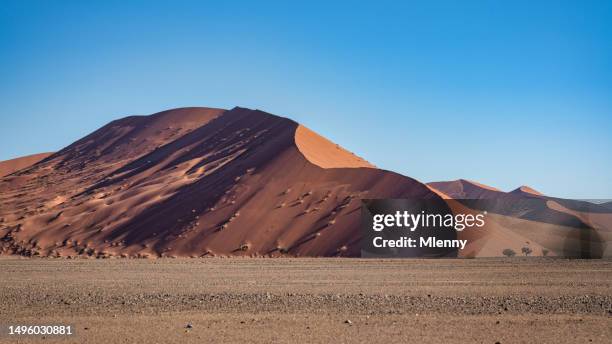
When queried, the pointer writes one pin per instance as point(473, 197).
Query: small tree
point(509, 252)
point(544, 252)
point(526, 251)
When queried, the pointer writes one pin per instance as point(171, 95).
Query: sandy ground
point(310, 300)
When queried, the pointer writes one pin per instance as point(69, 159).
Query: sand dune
point(13, 165)
point(195, 182)
point(467, 189)
point(526, 218)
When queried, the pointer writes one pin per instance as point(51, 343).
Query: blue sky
point(502, 92)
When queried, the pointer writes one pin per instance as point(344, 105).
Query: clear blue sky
point(502, 92)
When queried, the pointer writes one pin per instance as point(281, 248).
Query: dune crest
point(526, 189)
point(464, 189)
point(324, 153)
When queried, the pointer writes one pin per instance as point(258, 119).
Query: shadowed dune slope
point(195, 182)
point(13, 165)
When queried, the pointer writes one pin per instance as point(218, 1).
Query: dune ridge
point(527, 190)
point(464, 189)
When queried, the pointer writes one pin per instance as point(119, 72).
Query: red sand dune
point(467, 189)
point(11, 166)
point(523, 202)
point(563, 227)
point(195, 182)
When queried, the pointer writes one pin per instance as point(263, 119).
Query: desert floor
point(310, 300)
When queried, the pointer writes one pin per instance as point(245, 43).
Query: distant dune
point(195, 182)
point(467, 189)
point(464, 189)
point(524, 217)
point(522, 202)
point(11, 166)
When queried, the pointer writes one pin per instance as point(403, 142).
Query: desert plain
point(310, 300)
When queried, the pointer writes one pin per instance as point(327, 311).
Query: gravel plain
point(316, 300)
